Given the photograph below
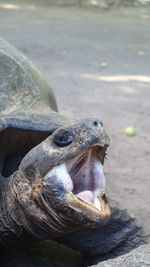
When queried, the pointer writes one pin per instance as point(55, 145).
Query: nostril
point(96, 123)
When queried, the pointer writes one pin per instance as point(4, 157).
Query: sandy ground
point(68, 45)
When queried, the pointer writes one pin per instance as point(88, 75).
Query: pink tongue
point(89, 197)
point(86, 196)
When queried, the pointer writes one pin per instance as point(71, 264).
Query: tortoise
point(52, 185)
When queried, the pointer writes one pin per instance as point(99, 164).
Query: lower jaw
point(74, 210)
point(86, 214)
point(70, 207)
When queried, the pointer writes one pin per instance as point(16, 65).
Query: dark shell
point(26, 100)
point(28, 108)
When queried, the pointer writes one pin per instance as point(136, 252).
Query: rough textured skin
point(31, 210)
point(44, 208)
point(107, 242)
point(97, 245)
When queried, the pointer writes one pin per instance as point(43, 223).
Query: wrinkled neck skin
point(21, 217)
point(117, 237)
point(10, 224)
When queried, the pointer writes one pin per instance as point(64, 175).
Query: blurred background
point(95, 55)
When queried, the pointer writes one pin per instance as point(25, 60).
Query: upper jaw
point(83, 181)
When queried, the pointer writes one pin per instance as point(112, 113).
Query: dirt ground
point(68, 45)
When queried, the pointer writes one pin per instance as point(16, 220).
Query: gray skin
point(34, 206)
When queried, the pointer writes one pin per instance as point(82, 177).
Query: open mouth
point(86, 172)
point(83, 177)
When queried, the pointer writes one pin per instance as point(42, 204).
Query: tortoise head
point(60, 183)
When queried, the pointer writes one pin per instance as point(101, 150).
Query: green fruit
point(141, 53)
point(130, 131)
point(104, 65)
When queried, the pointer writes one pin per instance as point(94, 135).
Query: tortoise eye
point(64, 138)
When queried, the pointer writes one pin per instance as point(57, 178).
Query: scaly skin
point(119, 236)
